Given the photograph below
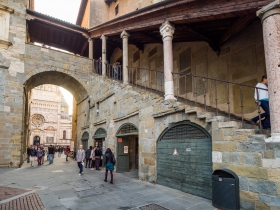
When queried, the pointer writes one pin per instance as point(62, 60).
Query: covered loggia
point(127, 148)
point(184, 159)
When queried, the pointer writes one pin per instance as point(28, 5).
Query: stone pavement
point(60, 187)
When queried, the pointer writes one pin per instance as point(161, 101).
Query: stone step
point(215, 119)
point(204, 115)
point(192, 110)
point(229, 124)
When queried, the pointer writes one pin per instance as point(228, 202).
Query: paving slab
point(61, 187)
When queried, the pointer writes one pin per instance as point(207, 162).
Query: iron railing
point(154, 80)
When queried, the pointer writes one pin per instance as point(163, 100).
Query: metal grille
point(153, 207)
point(128, 128)
point(183, 132)
point(100, 131)
point(85, 134)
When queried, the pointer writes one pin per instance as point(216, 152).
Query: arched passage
point(76, 86)
point(184, 159)
point(127, 148)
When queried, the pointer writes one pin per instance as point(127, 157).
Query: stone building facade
point(151, 115)
point(50, 122)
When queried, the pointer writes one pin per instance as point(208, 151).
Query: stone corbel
point(29, 17)
point(6, 9)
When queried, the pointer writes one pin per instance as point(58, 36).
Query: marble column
point(125, 35)
point(270, 16)
point(90, 48)
point(167, 31)
point(104, 57)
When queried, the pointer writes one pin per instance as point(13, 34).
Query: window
point(117, 10)
point(64, 134)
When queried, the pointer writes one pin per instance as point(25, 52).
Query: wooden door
point(123, 156)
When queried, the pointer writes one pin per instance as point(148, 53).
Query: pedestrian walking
point(67, 150)
point(51, 154)
point(88, 159)
point(261, 97)
point(92, 156)
point(43, 154)
point(80, 159)
point(39, 156)
point(109, 162)
point(28, 154)
point(33, 155)
point(75, 152)
point(59, 151)
point(98, 154)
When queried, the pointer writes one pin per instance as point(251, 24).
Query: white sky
point(66, 10)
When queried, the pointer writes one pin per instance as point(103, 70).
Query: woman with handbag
point(109, 162)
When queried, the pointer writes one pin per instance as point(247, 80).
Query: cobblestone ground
point(60, 187)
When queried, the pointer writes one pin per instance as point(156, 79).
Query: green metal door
point(191, 170)
point(123, 157)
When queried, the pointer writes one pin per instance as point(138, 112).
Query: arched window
point(64, 134)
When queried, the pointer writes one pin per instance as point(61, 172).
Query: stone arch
point(64, 80)
point(127, 129)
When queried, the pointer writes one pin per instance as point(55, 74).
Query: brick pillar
point(124, 36)
point(104, 57)
point(270, 16)
point(167, 31)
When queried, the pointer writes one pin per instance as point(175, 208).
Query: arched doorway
point(190, 170)
point(127, 148)
point(99, 141)
point(84, 139)
point(36, 140)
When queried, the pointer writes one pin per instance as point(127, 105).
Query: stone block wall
point(256, 163)
point(12, 48)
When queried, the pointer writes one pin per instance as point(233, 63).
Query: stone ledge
point(167, 112)
point(6, 9)
point(84, 127)
point(100, 122)
point(125, 117)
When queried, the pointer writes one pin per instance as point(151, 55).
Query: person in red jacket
point(67, 150)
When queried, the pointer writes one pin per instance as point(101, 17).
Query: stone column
point(270, 16)
point(124, 36)
point(104, 58)
point(90, 48)
point(167, 31)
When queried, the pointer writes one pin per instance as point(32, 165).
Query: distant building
point(50, 122)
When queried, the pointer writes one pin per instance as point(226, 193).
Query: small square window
point(117, 10)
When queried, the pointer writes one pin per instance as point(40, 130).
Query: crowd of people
point(39, 152)
point(91, 158)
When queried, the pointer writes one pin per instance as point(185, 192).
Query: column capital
point(269, 10)
point(167, 30)
point(103, 37)
point(89, 39)
point(125, 34)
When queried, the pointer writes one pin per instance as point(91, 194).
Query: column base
point(169, 97)
point(275, 137)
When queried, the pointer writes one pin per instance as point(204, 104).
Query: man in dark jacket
point(88, 159)
point(98, 154)
point(28, 154)
point(50, 153)
point(33, 155)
